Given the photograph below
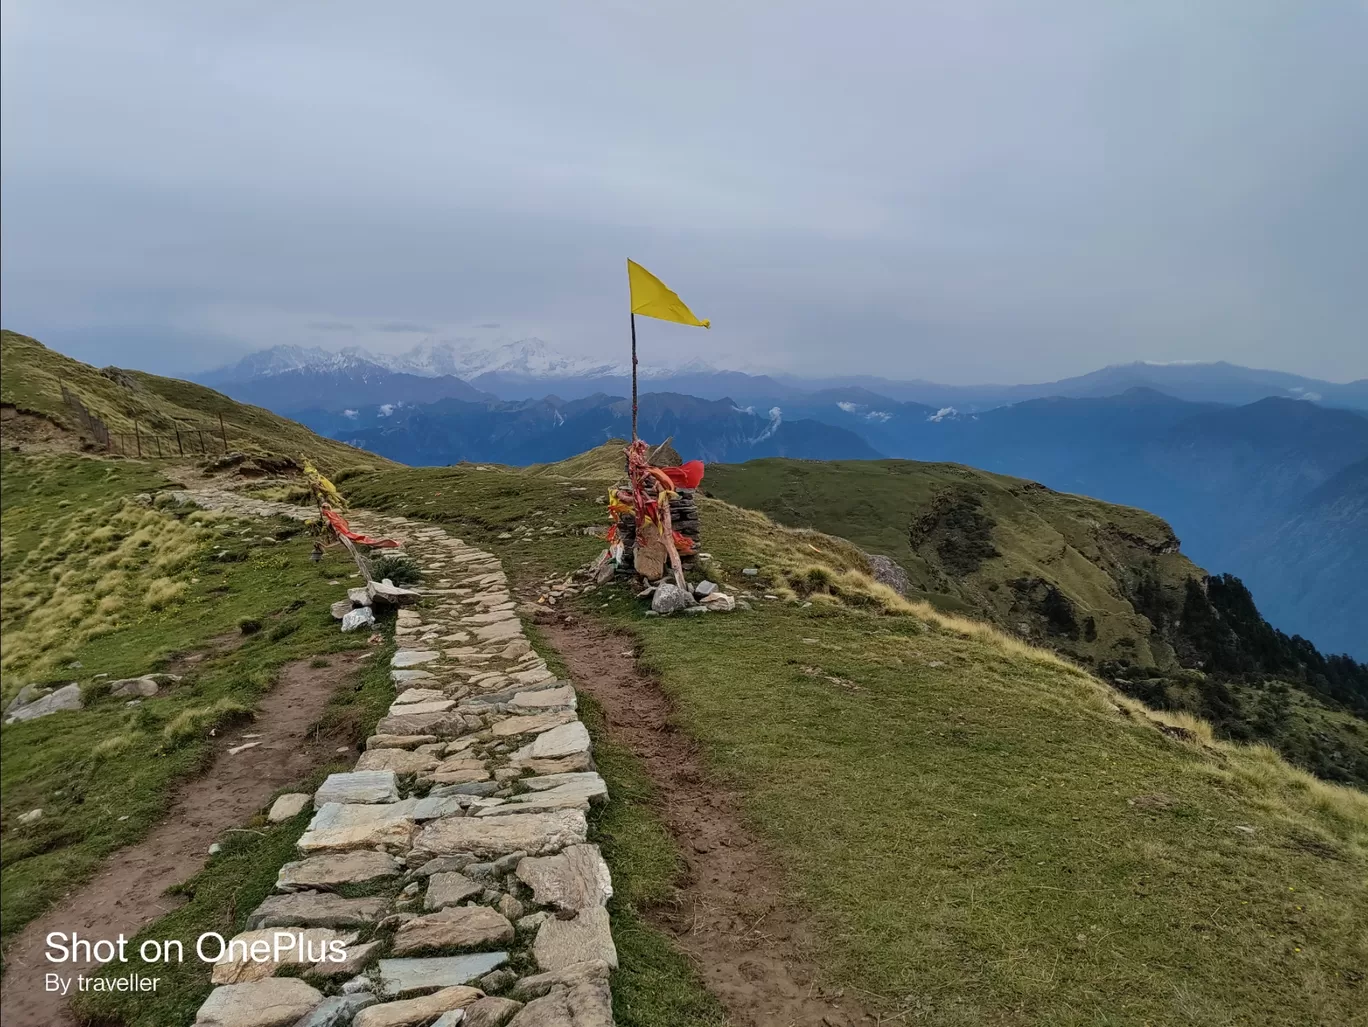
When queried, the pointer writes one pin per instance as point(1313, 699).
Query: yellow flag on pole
point(653, 298)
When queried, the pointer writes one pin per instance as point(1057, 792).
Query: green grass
point(982, 833)
point(105, 775)
point(32, 377)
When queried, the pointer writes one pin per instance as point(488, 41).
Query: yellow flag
point(652, 298)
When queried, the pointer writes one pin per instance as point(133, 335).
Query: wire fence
point(182, 440)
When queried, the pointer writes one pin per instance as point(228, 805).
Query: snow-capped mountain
point(530, 357)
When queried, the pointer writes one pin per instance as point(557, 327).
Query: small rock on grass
point(286, 806)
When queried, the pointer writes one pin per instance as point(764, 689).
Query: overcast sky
point(966, 191)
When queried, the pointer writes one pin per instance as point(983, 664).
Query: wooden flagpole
point(634, 378)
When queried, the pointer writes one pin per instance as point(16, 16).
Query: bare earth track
point(129, 891)
point(752, 950)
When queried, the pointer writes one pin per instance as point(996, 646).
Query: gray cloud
point(960, 191)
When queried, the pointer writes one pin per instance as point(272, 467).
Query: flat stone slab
point(561, 943)
point(450, 889)
point(566, 740)
point(411, 695)
point(411, 677)
point(259, 954)
point(534, 676)
point(360, 786)
point(358, 958)
point(431, 807)
point(442, 725)
point(331, 870)
point(460, 770)
point(455, 927)
point(502, 630)
point(406, 658)
point(417, 1012)
point(337, 826)
point(572, 976)
point(537, 834)
point(287, 806)
point(574, 879)
point(316, 909)
point(544, 698)
point(274, 1002)
point(399, 741)
point(396, 761)
point(409, 709)
point(398, 976)
point(533, 724)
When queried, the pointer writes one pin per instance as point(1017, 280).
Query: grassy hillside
point(1104, 584)
point(100, 585)
point(32, 377)
point(985, 833)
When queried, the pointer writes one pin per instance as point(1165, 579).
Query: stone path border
point(457, 846)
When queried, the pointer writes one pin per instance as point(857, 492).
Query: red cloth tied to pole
point(340, 526)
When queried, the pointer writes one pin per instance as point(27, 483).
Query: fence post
point(179, 448)
point(203, 451)
point(137, 435)
point(157, 439)
point(224, 431)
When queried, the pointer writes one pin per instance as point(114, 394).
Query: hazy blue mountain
point(537, 431)
point(344, 387)
point(1313, 561)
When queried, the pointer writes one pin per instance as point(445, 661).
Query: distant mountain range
point(531, 368)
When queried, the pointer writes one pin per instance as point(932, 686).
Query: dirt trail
point(128, 892)
point(753, 950)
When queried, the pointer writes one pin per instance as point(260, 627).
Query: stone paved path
point(459, 839)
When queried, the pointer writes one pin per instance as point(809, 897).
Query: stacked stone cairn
point(452, 866)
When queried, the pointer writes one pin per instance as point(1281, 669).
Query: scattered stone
point(490, 1012)
point(361, 617)
point(360, 597)
point(396, 761)
point(31, 817)
point(670, 599)
point(287, 806)
point(719, 602)
point(398, 976)
point(576, 878)
point(536, 834)
point(68, 697)
point(453, 927)
point(750, 572)
point(340, 609)
point(337, 826)
point(445, 865)
point(560, 943)
point(144, 687)
point(261, 958)
point(416, 1012)
point(449, 889)
point(534, 920)
point(26, 695)
point(337, 1010)
point(360, 786)
point(358, 958)
point(331, 870)
point(704, 588)
point(242, 748)
point(274, 1002)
